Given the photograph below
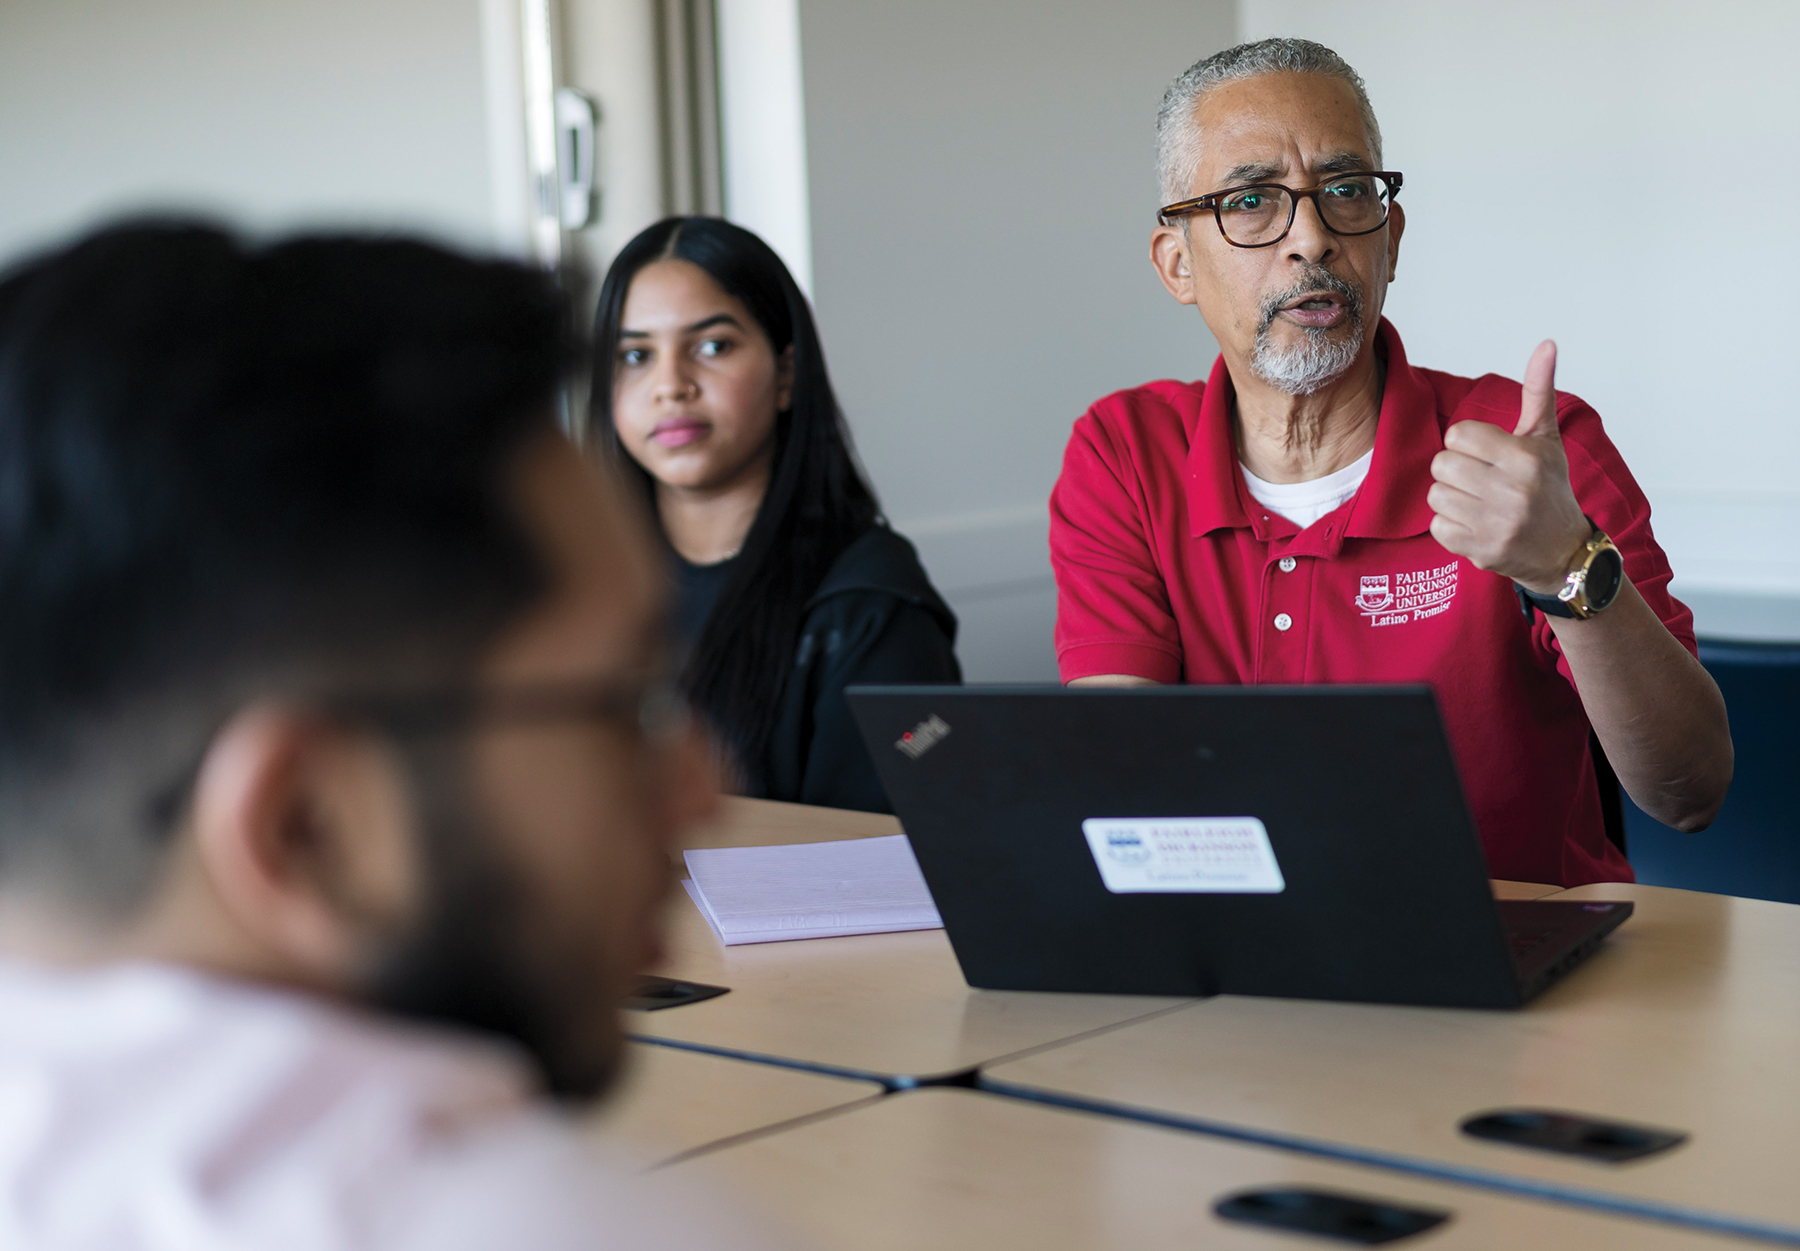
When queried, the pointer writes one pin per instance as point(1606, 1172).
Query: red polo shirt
point(1168, 568)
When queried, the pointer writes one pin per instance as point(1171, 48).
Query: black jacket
point(875, 618)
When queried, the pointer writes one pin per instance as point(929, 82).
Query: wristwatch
point(1596, 575)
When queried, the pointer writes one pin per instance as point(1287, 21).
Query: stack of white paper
point(810, 890)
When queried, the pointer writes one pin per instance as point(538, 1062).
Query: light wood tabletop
point(950, 1169)
point(1521, 890)
point(1687, 1018)
point(892, 1005)
point(671, 1101)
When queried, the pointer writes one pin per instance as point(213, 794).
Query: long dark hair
point(817, 503)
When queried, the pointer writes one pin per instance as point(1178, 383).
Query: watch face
point(1606, 574)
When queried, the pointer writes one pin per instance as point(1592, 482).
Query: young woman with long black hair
point(710, 388)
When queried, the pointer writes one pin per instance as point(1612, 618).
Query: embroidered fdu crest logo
point(1376, 593)
point(1395, 599)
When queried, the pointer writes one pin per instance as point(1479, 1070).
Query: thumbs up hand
point(1503, 500)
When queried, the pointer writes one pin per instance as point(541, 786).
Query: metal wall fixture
point(577, 121)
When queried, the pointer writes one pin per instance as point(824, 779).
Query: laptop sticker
point(1184, 855)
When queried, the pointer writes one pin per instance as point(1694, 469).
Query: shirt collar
point(1391, 503)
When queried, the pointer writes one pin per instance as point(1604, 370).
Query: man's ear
point(1396, 228)
point(305, 835)
point(784, 379)
point(1169, 255)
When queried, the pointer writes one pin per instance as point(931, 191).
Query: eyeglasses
point(652, 706)
point(1261, 214)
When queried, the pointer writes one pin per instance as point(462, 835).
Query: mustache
point(1315, 278)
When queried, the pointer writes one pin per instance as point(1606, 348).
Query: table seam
point(1478, 1178)
point(764, 1131)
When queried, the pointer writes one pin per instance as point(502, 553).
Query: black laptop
point(1302, 841)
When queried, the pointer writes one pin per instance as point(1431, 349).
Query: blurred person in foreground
point(711, 393)
point(1322, 510)
point(337, 768)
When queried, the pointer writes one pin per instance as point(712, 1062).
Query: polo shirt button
point(1283, 621)
point(1288, 563)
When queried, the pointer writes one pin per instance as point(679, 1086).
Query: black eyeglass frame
point(1392, 179)
point(652, 705)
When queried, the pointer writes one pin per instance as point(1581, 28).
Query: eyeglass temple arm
point(1184, 208)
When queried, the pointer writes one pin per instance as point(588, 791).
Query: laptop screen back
point(1298, 841)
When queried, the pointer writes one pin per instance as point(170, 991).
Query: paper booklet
point(810, 890)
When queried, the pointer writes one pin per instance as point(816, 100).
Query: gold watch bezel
point(1573, 591)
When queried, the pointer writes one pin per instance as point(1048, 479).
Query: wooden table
point(671, 1102)
point(1687, 1018)
point(893, 1006)
point(951, 1169)
point(1521, 890)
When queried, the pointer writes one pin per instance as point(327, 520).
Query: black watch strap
point(1594, 579)
point(1549, 605)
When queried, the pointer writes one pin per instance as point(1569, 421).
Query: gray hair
point(1178, 131)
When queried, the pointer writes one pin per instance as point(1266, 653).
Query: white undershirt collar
point(1305, 502)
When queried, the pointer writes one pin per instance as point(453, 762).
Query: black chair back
point(1612, 796)
point(1753, 847)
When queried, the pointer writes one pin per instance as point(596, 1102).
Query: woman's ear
point(784, 379)
point(305, 835)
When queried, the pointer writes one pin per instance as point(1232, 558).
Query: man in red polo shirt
point(1321, 510)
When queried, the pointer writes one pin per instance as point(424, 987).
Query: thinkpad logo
point(923, 736)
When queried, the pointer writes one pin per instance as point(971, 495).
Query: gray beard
point(1308, 366)
point(1316, 361)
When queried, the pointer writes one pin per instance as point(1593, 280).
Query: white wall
point(982, 194)
point(1619, 176)
point(275, 114)
point(763, 130)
